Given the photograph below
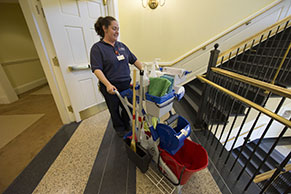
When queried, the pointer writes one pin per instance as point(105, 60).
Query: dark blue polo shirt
point(103, 56)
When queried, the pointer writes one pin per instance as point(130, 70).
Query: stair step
point(195, 88)
point(266, 74)
point(198, 84)
point(281, 184)
point(278, 157)
point(242, 160)
point(262, 152)
point(182, 108)
point(261, 156)
point(283, 141)
point(273, 42)
point(245, 67)
point(191, 101)
point(260, 59)
point(257, 160)
point(241, 89)
point(196, 98)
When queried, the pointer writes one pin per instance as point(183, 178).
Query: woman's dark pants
point(120, 120)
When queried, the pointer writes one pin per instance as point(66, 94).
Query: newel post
point(199, 123)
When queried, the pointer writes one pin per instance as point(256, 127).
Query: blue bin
point(172, 139)
point(160, 100)
point(129, 93)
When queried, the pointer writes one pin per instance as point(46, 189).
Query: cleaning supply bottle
point(146, 80)
point(153, 71)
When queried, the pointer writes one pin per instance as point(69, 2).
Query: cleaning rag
point(158, 86)
point(171, 79)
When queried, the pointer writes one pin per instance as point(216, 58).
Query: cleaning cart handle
point(184, 133)
point(117, 93)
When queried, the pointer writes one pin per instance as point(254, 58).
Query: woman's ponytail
point(103, 21)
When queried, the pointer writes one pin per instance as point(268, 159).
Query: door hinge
point(70, 108)
point(42, 11)
point(39, 9)
point(56, 61)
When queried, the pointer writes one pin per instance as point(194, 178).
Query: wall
point(170, 31)
point(23, 69)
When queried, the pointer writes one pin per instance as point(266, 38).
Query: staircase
point(280, 185)
point(260, 61)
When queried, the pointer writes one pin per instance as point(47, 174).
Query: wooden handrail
point(217, 38)
point(226, 54)
point(264, 85)
point(248, 102)
point(269, 174)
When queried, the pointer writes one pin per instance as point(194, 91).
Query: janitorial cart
point(158, 143)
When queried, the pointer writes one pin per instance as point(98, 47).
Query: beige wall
point(170, 31)
point(16, 44)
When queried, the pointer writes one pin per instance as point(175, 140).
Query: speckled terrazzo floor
point(200, 182)
point(77, 165)
point(70, 171)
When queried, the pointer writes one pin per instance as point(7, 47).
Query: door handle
point(79, 67)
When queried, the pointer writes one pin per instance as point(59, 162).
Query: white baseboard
point(31, 85)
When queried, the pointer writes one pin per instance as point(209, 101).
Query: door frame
point(43, 43)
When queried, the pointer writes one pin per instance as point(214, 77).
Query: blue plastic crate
point(160, 100)
point(172, 139)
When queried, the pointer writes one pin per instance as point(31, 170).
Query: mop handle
point(132, 145)
point(141, 72)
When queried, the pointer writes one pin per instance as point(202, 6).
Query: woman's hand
point(110, 89)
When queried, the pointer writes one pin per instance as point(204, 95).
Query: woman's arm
point(138, 64)
point(109, 87)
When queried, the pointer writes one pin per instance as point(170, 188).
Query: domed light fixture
point(153, 4)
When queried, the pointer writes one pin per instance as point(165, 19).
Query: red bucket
point(192, 156)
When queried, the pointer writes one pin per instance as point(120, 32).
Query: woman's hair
point(103, 21)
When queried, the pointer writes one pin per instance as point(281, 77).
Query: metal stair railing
point(218, 100)
point(261, 56)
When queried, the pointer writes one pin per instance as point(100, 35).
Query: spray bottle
point(154, 66)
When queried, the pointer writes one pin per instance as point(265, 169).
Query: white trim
point(45, 49)
point(31, 85)
point(7, 93)
point(41, 38)
point(113, 9)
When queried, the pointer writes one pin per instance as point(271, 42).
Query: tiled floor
point(89, 158)
point(19, 152)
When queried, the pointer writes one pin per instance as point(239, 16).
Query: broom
point(132, 144)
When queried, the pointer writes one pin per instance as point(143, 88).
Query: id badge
point(120, 57)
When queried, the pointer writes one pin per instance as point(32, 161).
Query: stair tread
point(255, 161)
point(250, 168)
point(267, 163)
point(191, 102)
point(184, 110)
point(195, 88)
point(273, 158)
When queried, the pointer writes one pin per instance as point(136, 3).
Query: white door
point(71, 25)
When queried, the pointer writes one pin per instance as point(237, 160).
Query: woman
point(109, 62)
